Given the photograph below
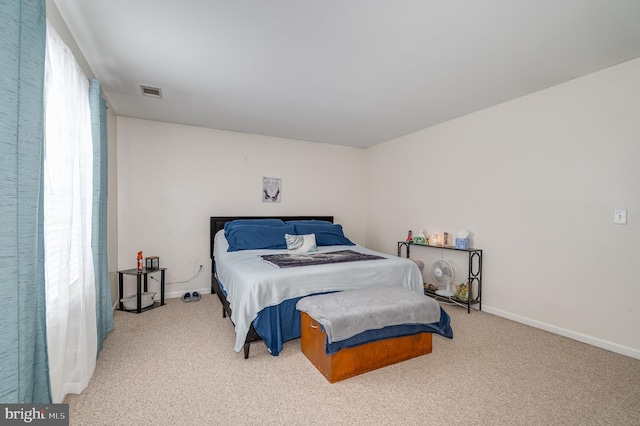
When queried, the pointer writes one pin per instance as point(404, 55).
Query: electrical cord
point(180, 282)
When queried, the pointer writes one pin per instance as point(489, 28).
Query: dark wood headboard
point(217, 223)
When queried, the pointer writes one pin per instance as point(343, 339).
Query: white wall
point(172, 178)
point(536, 181)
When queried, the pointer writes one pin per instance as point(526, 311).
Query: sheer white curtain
point(68, 170)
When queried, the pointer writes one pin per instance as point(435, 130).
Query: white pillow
point(301, 243)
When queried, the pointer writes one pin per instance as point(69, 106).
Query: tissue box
point(462, 243)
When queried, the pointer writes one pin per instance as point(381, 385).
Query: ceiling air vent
point(154, 92)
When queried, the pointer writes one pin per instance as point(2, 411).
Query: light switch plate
point(620, 216)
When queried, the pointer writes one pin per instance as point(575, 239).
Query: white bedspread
point(252, 284)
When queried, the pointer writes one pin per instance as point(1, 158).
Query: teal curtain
point(104, 313)
point(24, 371)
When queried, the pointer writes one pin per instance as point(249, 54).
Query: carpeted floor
point(175, 365)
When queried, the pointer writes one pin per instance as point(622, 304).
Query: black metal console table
point(474, 276)
point(139, 275)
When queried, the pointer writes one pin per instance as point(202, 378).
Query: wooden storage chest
point(360, 359)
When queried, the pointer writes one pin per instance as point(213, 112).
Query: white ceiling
point(347, 72)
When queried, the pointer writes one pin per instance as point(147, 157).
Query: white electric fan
point(442, 272)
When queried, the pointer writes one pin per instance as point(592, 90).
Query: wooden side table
point(139, 275)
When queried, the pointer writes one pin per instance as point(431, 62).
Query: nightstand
point(140, 275)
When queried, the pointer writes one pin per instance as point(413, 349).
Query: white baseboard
point(171, 295)
point(175, 294)
point(604, 344)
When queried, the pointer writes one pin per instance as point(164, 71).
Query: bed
point(260, 298)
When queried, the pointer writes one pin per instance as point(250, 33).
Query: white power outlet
point(620, 216)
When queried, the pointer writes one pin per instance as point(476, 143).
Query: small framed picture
point(271, 190)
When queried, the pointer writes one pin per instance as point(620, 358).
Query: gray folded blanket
point(348, 313)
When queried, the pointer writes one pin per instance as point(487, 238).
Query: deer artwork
point(271, 190)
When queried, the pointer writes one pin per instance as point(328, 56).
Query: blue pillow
point(264, 222)
point(327, 234)
point(310, 221)
point(254, 237)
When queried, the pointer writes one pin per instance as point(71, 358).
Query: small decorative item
point(462, 291)
point(420, 239)
point(271, 190)
point(139, 261)
point(462, 243)
point(433, 240)
point(462, 240)
point(410, 236)
point(431, 287)
point(153, 262)
point(465, 292)
point(446, 239)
